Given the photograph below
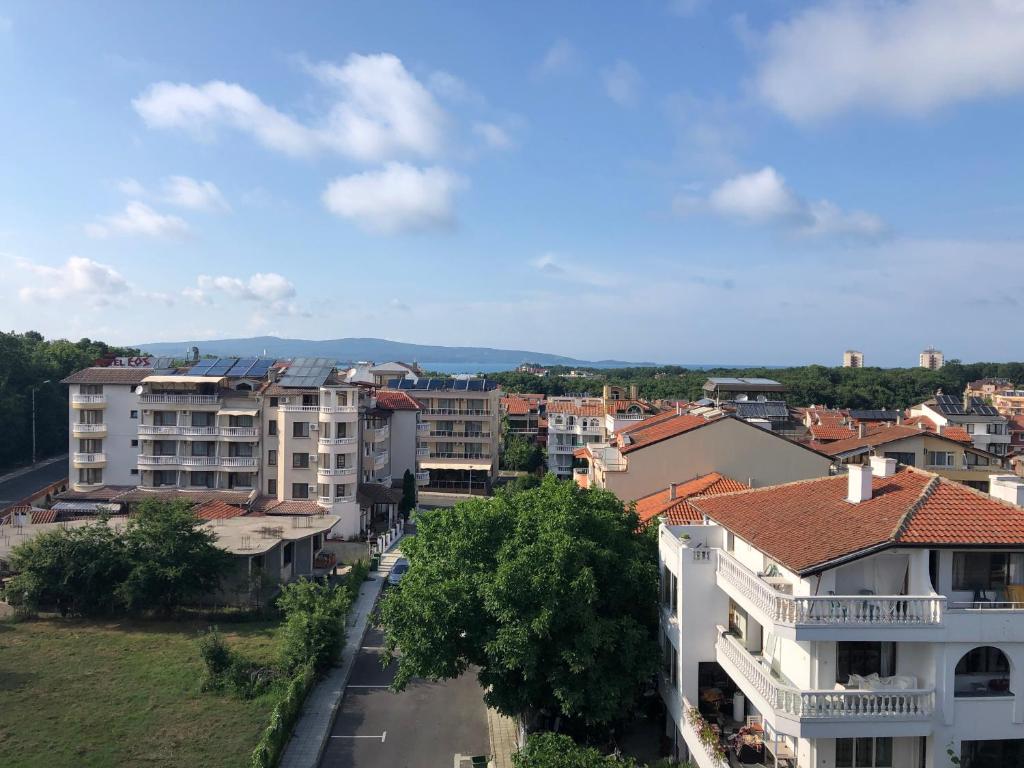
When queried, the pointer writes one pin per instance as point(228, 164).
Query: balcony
point(177, 461)
point(88, 429)
point(329, 409)
point(555, 448)
point(88, 401)
point(826, 617)
point(331, 442)
point(167, 399)
point(380, 459)
point(796, 711)
point(378, 434)
point(422, 427)
point(422, 451)
point(235, 462)
point(300, 408)
point(328, 501)
point(452, 435)
point(422, 478)
point(229, 432)
point(155, 429)
point(454, 412)
point(335, 471)
point(89, 459)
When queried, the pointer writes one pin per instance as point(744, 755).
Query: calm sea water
point(454, 368)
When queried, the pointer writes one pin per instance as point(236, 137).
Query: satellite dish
point(138, 390)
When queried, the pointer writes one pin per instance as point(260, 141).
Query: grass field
point(122, 693)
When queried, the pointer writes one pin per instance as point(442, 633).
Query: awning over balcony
point(238, 411)
point(173, 382)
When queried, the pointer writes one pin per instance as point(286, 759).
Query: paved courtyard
point(427, 725)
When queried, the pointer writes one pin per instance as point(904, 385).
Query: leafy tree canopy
point(550, 592)
point(556, 750)
point(519, 454)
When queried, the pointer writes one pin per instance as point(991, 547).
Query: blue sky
point(679, 181)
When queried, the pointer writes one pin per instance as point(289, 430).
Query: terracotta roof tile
point(639, 435)
point(678, 509)
point(808, 524)
point(576, 410)
point(217, 510)
point(117, 375)
point(393, 400)
point(293, 507)
point(515, 406)
point(831, 432)
point(881, 436)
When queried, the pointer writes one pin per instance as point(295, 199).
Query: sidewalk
point(314, 727)
point(502, 733)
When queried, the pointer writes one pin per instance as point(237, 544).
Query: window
point(975, 460)
point(939, 458)
point(340, 491)
point(201, 479)
point(870, 753)
point(288, 553)
point(907, 459)
point(135, 443)
point(340, 460)
point(982, 671)
point(300, 460)
point(970, 429)
point(864, 659)
point(272, 458)
point(273, 402)
point(300, 491)
point(134, 415)
point(995, 752)
point(984, 571)
point(134, 471)
point(240, 421)
point(203, 448)
point(92, 476)
point(202, 419)
point(272, 487)
point(240, 449)
point(272, 428)
point(165, 477)
point(669, 662)
point(669, 589)
point(300, 429)
point(730, 541)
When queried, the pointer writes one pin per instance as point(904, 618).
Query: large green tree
point(521, 455)
point(556, 750)
point(551, 593)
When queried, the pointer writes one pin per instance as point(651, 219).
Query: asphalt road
point(425, 726)
point(25, 484)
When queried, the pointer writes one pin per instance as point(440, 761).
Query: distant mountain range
point(377, 350)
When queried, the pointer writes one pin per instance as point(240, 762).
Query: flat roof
point(752, 383)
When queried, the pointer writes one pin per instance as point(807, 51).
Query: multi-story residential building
point(460, 444)
point(984, 389)
point(1009, 402)
point(949, 451)
point(870, 619)
point(853, 359)
point(523, 413)
point(720, 389)
point(670, 447)
point(295, 435)
point(986, 426)
point(103, 421)
point(931, 358)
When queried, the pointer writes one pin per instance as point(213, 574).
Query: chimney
point(860, 429)
point(941, 429)
point(882, 466)
point(920, 425)
point(858, 483)
point(899, 418)
point(679, 408)
point(672, 491)
point(634, 391)
point(1007, 487)
point(606, 393)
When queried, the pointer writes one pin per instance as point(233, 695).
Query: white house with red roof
point(868, 619)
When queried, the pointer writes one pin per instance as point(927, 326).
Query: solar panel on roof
point(222, 366)
point(200, 368)
point(307, 372)
point(242, 366)
point(460, 385)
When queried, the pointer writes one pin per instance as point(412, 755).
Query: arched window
point(982, 671)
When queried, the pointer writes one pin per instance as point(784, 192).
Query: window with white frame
point(864, 753)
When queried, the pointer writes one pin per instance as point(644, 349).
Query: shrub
point(314, 618)
point(282, 719)
point(216, 656)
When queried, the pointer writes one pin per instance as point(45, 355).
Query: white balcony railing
point(455, 412)
point(849, 704)
point(90, 458)
point(327, 409)
point(870, 610)
point(177, 461)
point(239, 431)
point(377, 434)
point(324, 501)
point(89, 399)
point(422, 478)
point(164, 399)
point(422, 426)
point(380, 458)
point(334, 441)
point(300, 408)
point(88, 428)
point(699, 752)
point(555, 448)
point(422, 452)
point(239, 461)
point(335, 471)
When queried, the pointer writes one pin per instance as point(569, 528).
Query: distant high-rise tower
point(931, 358)
point(853, 359)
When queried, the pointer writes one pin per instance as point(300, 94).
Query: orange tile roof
point(638, 436)
point(576, 410)
point(392, 400)
point(808, 525)
point(677, 508)
point(617, 406)
point(217, 510)
point(831, 432)
point(881, 436)
point(515, 406)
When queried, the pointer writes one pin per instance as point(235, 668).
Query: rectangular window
point(340, 460)
point(864, 658)
point(340, 491)
point(324, 489)
point(133, 471)
point(300, 460)
point(272, 458)
point(134, 414)
point(90, 476)
point(273, 402)
point(300, 429)
point(939, 458)
point(984, 571)
point(135, 443)
point(272, 428)
point(204, 448)
point(864, 753)
point(201, 479)
point(970, 429)
point(272, 487)
point(165, 477)
point(906, 458)
point(300, 491)
point(202, 419)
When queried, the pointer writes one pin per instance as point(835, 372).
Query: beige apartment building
point(853, 358)
point(460, 433)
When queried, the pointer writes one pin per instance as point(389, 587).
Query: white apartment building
point(294, 432)
point(931, 358)
point(853, 358)
point(459, 432)
point(989, 429)
point(874, 619)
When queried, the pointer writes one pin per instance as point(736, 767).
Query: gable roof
point(809, 525)
point(881, 436)
point(650, 431)
point(515, 406)
point(390, 400)
point(110, 375)
point(831, 432)
point(217, 510)
point(676, 507)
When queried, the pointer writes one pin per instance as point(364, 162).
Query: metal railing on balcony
point(166, 399)
point(88, 428)
point(823, 610)
point(846, 704)
point(89, 458)
point(454, 412)
point(333, 441)
point(338, 408)
point(88, 399)
point(335, 471)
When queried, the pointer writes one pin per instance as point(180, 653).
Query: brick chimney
point(860, 429)
point(672, 491)
point(941, 429)
point(634, 391)
point(858, 483)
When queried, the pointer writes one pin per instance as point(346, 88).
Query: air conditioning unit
point(282, 401)
point(311, 488)
point(313, 426)
point(313, 458)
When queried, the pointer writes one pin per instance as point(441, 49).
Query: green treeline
point(843, 387)
point(26, 361)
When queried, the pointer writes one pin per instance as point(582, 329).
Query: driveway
point(428, 725)
point(26, 482)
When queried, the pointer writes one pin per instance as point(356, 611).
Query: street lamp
point(47, 381)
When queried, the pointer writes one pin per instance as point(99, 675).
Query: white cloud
point(495, 136)
point(130, 187)
point(269, 288)
point(137, 219)
point(763, 197)
point(905, 57)
point(453, 88)
point(398, 198)
point(80, 278)
point(193, 194)
point(558, 58)
point(557, 267)
point(380, 111)
point(622, 83)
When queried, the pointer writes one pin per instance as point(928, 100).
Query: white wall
point(402, 445)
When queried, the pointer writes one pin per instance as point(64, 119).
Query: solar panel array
point(454, 385)
point(950, 405)
point(762, 410)
point(873, 415)
point(234, 367)
point(307, 372)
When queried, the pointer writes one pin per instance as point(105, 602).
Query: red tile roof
point(217, 510)
point(392, 400)
point(676, 507)
point(108, 376)
point(515, 406)
point(293, 507)
point(576, 410)
point(807, 525)
point(881, 436)
point(831, 431)
point(640, 435)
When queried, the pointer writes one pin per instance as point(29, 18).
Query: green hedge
point(283, 718)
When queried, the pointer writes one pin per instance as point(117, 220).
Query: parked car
point(398, 570)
